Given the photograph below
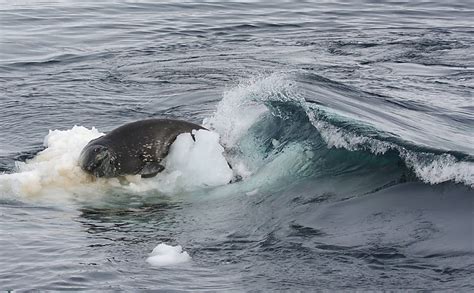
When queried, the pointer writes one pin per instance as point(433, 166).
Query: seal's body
point(134, 148)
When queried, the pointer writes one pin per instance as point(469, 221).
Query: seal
point(134, 148)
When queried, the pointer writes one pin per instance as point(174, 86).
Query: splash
point(242, 106)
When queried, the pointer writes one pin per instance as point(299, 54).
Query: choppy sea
point(349, 122)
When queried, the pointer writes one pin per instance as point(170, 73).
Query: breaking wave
point(275, 112)
point(271, 134)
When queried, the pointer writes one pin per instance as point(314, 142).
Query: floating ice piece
point(166, 255)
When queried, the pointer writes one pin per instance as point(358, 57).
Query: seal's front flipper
point(150, 169)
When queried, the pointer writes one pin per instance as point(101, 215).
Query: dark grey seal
point(134, 148)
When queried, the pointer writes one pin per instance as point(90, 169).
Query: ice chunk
point(166, 255)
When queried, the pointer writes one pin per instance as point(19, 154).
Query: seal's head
point(97, 160)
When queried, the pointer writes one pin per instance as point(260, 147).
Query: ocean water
point(349, 122)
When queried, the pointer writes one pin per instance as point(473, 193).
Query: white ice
point(167, 255)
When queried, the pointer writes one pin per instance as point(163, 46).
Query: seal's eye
point(101, 153)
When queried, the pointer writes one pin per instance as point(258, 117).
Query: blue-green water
point(351, 124)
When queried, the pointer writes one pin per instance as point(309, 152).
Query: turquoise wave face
point(332, 137)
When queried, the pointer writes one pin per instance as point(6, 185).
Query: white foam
point(167, 255)
point(440, 168)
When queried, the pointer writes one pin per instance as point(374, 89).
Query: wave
point(273, 137)
point(277, 102)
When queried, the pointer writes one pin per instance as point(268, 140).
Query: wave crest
point(244, 106)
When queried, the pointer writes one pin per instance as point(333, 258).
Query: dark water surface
point(354, 120)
